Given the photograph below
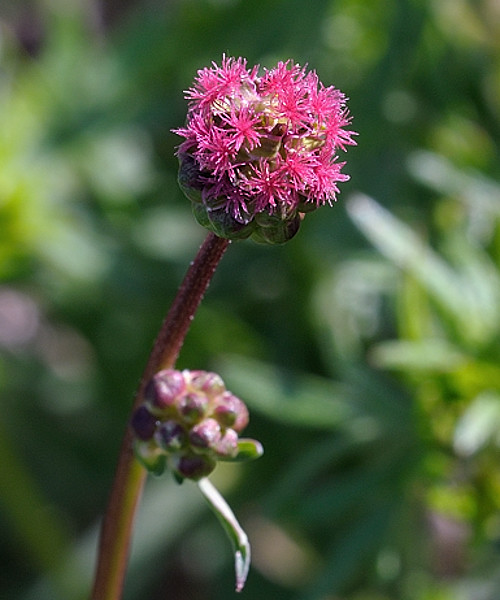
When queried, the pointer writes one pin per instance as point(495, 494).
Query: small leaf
point(238, 537)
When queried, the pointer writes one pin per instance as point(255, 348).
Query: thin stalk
point(130, 476)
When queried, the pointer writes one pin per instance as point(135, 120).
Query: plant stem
point(130, 475)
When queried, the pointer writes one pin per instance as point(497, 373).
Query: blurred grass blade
point(457, 293)
point(297, 473)
point(352, 552)
point(33, 523)
point(432, 355)
point(353, 491)
point(364, 406)
point(306, 401)
point(473, 189)
point(403, 247)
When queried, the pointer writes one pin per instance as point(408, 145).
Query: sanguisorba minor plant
point(260, 151)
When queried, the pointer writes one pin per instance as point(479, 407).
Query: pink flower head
point(261, 150)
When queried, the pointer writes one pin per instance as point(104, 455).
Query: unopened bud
point(227, 446)
point(193, 466)
point(193, 407)
point(143, 423)
point(189, 421)
point(205, 435)
point(190, 178)
point(231, 412)
point(164, 388)
point(207, 382)
point(171, 436)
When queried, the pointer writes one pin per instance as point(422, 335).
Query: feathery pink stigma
point(263, 143)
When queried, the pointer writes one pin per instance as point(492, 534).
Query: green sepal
point(224, 225)
point(266, 220)
point(201, 215)
point(189, 178)
point(151, 457)
point(248, 449)
point(280, 233)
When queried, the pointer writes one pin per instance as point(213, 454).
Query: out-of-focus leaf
point(352, 551)
point(453, 291)
point(280, 395)
point(166, 511)
point(353, 491)
point(348, 305)
point(477, 192)
point(324, 454)
point(33, 522)
point(424, 355)
point(478, 425)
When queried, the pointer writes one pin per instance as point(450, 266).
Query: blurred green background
point(367, 348)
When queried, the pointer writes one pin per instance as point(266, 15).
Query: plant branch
point(130, 476)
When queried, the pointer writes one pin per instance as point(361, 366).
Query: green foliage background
point(367, 348)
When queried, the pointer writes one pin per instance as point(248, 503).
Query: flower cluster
point(261, 150)
point(187, 422)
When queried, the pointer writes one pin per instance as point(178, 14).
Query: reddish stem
point(130, 476)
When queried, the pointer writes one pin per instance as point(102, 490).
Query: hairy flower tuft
point(261, 145)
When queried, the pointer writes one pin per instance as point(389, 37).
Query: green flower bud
point(248, 449)
point(200, 213)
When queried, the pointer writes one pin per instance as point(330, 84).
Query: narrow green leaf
point(238, 537)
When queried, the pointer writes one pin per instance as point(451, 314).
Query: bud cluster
point(187, 422)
